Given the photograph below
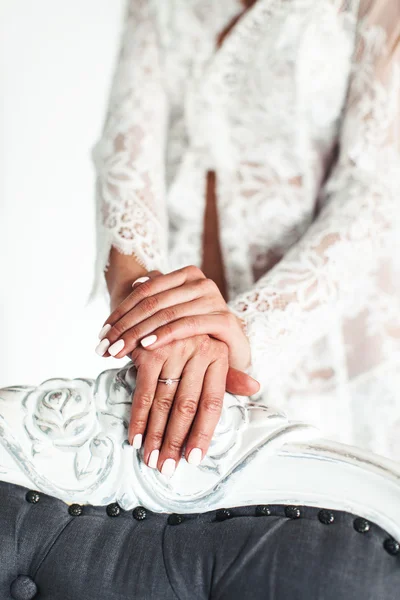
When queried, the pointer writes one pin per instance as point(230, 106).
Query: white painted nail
point(195, 456)
point(140, 280)
point(147, 341)
point(137, 441)
point(168, 467)
point(117, 347)
point(102, 347)
point(153, 459)
point(104, 331)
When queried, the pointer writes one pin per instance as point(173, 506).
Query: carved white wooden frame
point(68, 438)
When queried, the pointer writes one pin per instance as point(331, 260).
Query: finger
point(149, 275)
point(128, 341)
point(223, 326)
point(208, 412)
point(164, 305)
point(143, 397)
point(183, 412)
point(240, 383)
point(160, 409)
point(155, 285)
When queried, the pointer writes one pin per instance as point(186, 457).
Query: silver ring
point(169, 381)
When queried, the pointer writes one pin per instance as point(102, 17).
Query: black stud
point(361, 525)
point(292, 512)
point(391, 546)
point(139, 513)
point(326, 517)
point(113, 509)
point(32, 496)
point(75, 510)
point(222, 514)
point(175, 519)
point(263, 510)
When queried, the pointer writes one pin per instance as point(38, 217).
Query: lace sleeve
point(335, 293)
point(129, 157)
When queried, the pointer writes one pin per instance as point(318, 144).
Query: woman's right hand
point(167, 416)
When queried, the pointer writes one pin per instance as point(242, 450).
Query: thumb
point(240, 383)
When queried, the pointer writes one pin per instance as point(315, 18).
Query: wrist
point(123, 270)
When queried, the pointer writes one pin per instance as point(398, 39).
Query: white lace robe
point(298, 113)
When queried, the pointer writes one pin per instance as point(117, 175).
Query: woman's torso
point(262, 112)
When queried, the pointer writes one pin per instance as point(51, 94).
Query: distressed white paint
point(68, 438)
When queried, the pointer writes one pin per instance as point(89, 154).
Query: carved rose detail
point(60, 412)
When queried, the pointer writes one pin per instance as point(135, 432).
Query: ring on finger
point(169, 380)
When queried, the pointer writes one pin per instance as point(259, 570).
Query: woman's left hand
point(171, 307)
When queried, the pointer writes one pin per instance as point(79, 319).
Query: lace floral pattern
point(129, 157)
point(298, 113)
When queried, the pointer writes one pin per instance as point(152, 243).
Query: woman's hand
point(188, 410)
point(171, 307)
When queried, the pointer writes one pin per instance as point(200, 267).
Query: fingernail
point(168, 467)
point(153, 459)
point(117, 347)
point(102, 347)
point(104, 330)
point(147, 341)
point(137, 441)
point(195, 456)
point(140, 280)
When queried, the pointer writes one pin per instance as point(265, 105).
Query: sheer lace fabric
point(298, 113)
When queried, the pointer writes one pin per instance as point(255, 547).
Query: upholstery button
point(292, 512)
point(75, 510)
point(361, 525)
point(391, 546)
point(326, 517)
point(32, 496)
point(263, 510)
point(23, 588)
point(113, 509)
point(175, 519)
point(222, 514)
point(139, 513)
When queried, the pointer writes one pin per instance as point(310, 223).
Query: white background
point(56, 64)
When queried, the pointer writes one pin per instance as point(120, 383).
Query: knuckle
point(230, 318)
point(118, 329)
point(169, 314)
point(134, 333)
point(193, 271)
point(143, 400)
point(212, 404)
point(149, 304)
point(168, 329)
point(209, 285)
point(174, 445)
point(159, 355)
point(204, 345)
point(163, 405)
point(222, 350)
point(144, 289)
point(138, 424)
point(154, 439)
point(191, 323)
point(187, 406)
point(203, 438)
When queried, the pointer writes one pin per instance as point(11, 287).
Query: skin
point(198, 339)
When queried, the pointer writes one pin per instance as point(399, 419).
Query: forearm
point(122, 271)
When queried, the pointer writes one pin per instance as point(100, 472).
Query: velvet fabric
point(245, 553)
